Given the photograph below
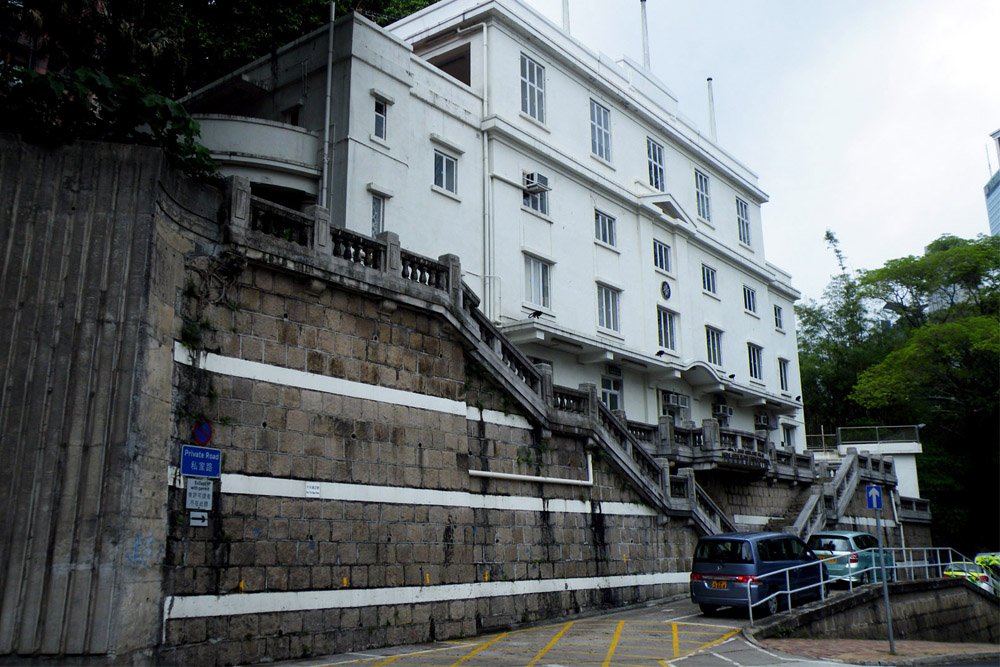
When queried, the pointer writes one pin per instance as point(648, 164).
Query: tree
point(918, 341)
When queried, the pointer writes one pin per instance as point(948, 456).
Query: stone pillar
point(454, 265)
point(393, 261)
point(592, 399)
point(321, 228)
point(546, 388)
point(238, 194)
point(710, 434)
point(664, 435)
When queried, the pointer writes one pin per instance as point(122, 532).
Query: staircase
point(777, 524)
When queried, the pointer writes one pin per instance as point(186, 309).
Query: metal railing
point(856, 435)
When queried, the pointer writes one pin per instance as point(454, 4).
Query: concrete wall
point(87, 306)
point(942, 610)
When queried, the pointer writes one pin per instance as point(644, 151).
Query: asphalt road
point(660, 635)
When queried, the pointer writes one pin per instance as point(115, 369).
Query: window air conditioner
point(761, 421)
point(677, 400)
point(722, 410)
point(535, 182)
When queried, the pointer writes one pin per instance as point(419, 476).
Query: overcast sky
point(867, 117)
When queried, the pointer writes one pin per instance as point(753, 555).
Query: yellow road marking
point(551, 644)
point(614, 644)
point(703, 646)
point(481, 648)
point(676, 649)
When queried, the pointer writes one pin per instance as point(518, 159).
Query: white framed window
point(777, 318)
point(536, 281)
point(743, 220)
point(378, 215)
point(381, 109)
point(708, 279)
point(536, 193)
point(611, 392)
point(666, 322)
point(661, 256)
point(445, 172)
point(600, 131)
point(749, 299)
point(704, 201)
point(754, 355)
point(532, 88)
point(713, 342)
point(654, 153)
point(783, 374)
point(604, 228)
point(607, 307)
point(788, 435)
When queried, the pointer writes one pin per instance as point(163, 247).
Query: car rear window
point(822, 543)
point(866, 542)
point(781, 548)
point(724, 551)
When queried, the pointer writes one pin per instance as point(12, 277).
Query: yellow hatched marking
point(552, 643)
point(481, 648)
point(676, 645)
point(721, 639)
point(614, 644)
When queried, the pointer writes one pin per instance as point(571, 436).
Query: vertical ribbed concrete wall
point(82, 485)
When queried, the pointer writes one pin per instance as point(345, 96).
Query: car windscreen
point(724, 551)
point(823, 543)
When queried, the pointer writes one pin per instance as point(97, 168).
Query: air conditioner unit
point(722, 410)
point(761, 421)
point(535, 182)
point(677, 400)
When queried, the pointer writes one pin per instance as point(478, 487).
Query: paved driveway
point(661, 635)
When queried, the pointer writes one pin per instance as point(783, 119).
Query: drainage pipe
point(545, 480)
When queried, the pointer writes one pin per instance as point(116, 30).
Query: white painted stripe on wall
point(866, 521)
point(499, 418)
point(751, 519)
point(197, 606)
point(402, 495)
point(255, 370)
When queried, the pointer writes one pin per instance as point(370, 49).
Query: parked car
point(991, 562)
point(852, 555)
point(728, 570)
point(971, 571)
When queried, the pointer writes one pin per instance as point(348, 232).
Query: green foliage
point(60, 107)
point(918, 341)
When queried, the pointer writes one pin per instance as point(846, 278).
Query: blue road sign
point(202, 431)
point(201, 461)
point(874, 494)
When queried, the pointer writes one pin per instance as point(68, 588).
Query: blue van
point(727, 571)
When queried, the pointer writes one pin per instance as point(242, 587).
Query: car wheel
point(708, 609)
point(772, 606)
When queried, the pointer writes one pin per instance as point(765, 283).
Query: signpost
point(874, 495)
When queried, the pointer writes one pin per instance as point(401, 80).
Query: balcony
point(263, 151)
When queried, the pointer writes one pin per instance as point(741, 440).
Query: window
point(604, 228)
point(445, 172)
point(607, 307)
point(380, 111)
point(713, 339)
point(666, 320)
point(661, 256)
point(788, 435)
point(536, 281)
point(600, 131)
point(654, 152)
point(378, 215)
point(749, 299)
point(708, 279)
point(611, 392)
point(783, 374)
point(777, 317)
point(536, 193)
point(532, 88)
point(701, 188)
point(743, 220)
point(754, 356)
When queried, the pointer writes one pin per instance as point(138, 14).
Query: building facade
point(992, 191)
point(603, 233)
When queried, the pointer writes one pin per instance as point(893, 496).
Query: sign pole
point(885, 584)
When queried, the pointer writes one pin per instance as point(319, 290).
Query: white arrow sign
point(874, 497)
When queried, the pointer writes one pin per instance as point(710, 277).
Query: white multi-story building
point(992, 191)
point(603, 232)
